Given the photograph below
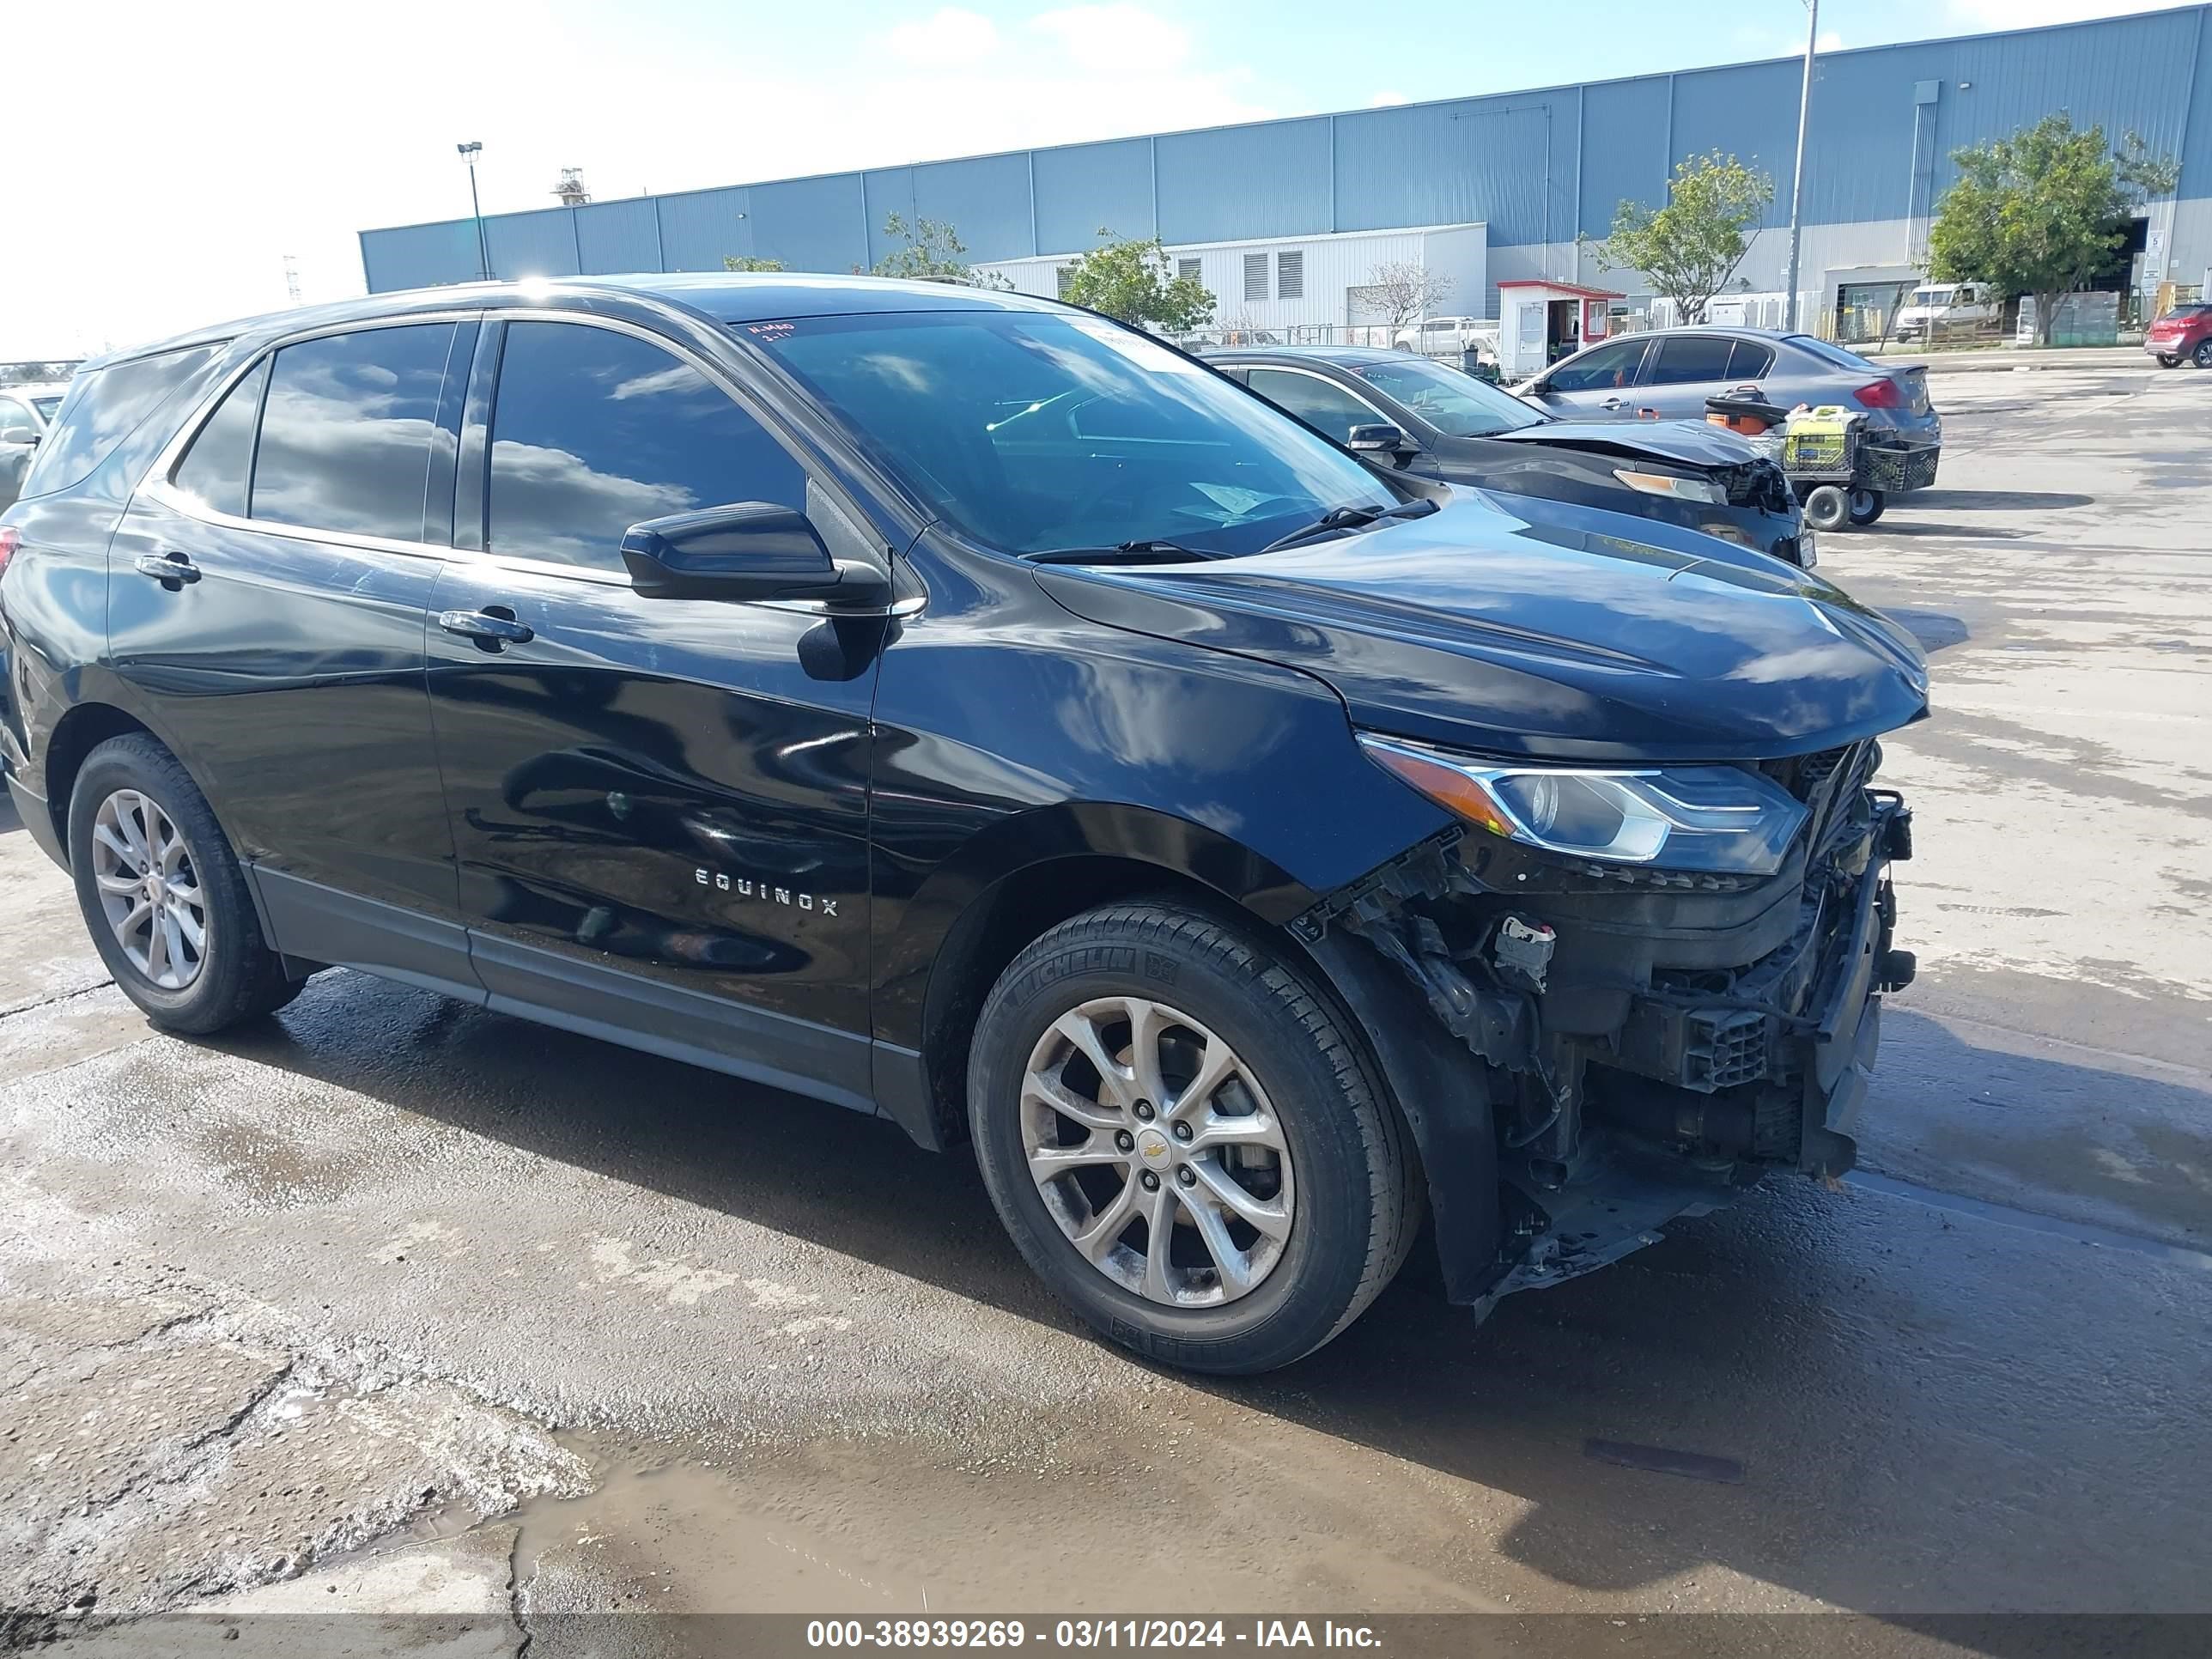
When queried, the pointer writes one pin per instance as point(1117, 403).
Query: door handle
point(1610, 402)
point(493, 628)
point(172, 570)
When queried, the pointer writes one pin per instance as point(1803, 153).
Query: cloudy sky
point(167, 157)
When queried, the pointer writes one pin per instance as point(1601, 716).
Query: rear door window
point(217, 468)
point(1323, 405)
point(1749, 361)
point(347, 429)
point(593, 431)
point(1604, 367)
point(102, 409)
point(1684, 359)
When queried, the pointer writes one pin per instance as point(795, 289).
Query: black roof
point(724, 296)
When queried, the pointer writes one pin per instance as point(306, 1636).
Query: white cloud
point(952, 36)
point(1829, 41)
point(1116, 35)
point(202, 155)
point(1386, 99)
point(2026, 14)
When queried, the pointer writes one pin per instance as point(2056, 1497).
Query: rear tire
point(2203, 355)
point(2165, 361)
point(1825, 507)
point(162, 894)
point(1278, 1168)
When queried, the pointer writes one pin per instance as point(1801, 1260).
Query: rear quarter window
point(102, 409)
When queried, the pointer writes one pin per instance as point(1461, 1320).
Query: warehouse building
point(1285, 221)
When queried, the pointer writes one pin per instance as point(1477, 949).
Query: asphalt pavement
point(388, 1307)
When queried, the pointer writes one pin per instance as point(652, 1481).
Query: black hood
point(1477, 629)
point(1699, 443)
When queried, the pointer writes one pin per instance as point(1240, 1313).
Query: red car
point(2184, 331)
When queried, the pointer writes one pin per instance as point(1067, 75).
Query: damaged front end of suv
point(1671, 974)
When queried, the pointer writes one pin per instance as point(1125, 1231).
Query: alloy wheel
point(1157, 1153)
point(150, 888)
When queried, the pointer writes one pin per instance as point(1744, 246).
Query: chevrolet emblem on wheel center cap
point(1153, 1146)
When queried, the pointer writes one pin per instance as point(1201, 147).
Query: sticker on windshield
point(1232, 500)
point(1145, 354)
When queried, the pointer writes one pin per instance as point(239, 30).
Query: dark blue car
point(968, 711)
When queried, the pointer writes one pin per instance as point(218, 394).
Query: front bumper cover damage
point(1653, 1042)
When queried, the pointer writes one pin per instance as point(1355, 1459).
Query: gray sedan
point(1667, 375)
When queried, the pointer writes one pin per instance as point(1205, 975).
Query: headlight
point(1665, 484)
point(1676, 818)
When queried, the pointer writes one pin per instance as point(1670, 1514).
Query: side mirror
point(1376, 440)
point(18, 434)
point(750, 551)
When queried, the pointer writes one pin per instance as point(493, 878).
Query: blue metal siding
point(2131, 73)
point(1749, 111)
point(890, 190)
point(2197, 144)
point(540, 244)
point(1472, 160)
point(1229, 183)
point(618, 236)
point(1535, 166)
point(813, 224)
point(986, 200)
point(1080, 187)
point(701, 228)
point(420, 256)
point(1626, 154)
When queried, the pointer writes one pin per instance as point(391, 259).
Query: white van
point(1935, 308)
point(1448, 337)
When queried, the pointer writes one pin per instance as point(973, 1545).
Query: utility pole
point(468, 154)
point(1797, 180)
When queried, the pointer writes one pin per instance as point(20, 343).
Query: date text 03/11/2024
point(1084, 1633)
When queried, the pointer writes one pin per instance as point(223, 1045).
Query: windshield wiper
point(1351, 517)
point(1143, 552)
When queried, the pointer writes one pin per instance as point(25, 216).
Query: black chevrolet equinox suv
point(968, 710)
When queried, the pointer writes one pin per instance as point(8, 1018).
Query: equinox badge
point(746, 887)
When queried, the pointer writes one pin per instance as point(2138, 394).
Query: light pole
point(468, 154)
point(1797, 180)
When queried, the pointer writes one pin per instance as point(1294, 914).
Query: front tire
point(1865, 506)
point(162, 894)
point(1185, 1140)
point(2203, 355)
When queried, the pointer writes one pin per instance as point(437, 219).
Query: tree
point(1691, 247)
point(1402, 291)
point(932, 248)
point(2043, 212)
point(933, 253)
point(1132, 280)
point(750, 262)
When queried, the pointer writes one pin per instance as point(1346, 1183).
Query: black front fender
point(1443, 1092)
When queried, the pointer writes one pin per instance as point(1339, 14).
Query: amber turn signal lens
point(1447, 785)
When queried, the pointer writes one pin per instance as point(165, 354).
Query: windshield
point(46, 406)
point(1931, 296)
point(1037, 433)
point(1455, 404)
